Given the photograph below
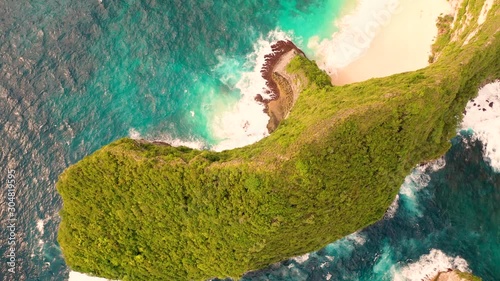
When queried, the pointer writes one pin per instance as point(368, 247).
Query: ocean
point(76, 75)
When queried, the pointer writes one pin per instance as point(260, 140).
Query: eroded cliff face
point(289, 87)
point(284, 87)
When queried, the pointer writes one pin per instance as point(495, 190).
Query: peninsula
point(136, 210)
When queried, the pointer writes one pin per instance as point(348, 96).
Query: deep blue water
point(76, 75)
point(442, 214)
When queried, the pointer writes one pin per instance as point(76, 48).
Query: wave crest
point(428, 266)
point(482, 116)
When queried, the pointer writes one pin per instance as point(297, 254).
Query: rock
point(455, 275)
point(259, 98)
point(281, 85)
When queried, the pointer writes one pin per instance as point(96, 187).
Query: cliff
point(284, 87)
point(141, 211)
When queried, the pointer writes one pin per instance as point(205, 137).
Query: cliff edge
point(140, 211)
point(283, 86)
point(455, 275)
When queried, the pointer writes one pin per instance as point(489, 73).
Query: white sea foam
point(236, 124)
point(192, 143)
point(301, 259)
point(356, 32)
point(391, 211)
point(428, 266)
point(245, 122)
point(415, 182)
point(436, 165)
point(134, 134)
point(345, 246)
point(77, 276)
point(483, 118)
point(357, 237)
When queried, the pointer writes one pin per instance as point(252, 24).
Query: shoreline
point(454, 275)
point(281, 90)
point(403, 45)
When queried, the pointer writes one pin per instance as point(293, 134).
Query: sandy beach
point(403, 44)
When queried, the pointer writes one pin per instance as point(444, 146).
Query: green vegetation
point(467, 276)
point(462, 275)
point(140, 211)
point(444, 35)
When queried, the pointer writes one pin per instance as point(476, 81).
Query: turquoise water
point(76, 75)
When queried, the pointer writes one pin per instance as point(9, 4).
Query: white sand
point(404, 44)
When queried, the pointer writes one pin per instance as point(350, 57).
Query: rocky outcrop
point(283, 87)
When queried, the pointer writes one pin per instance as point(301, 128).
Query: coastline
point(283, 88)
point(305, 164)
point(455, 275)
point(404, 44)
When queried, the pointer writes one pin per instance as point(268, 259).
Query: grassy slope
point(138, 211)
